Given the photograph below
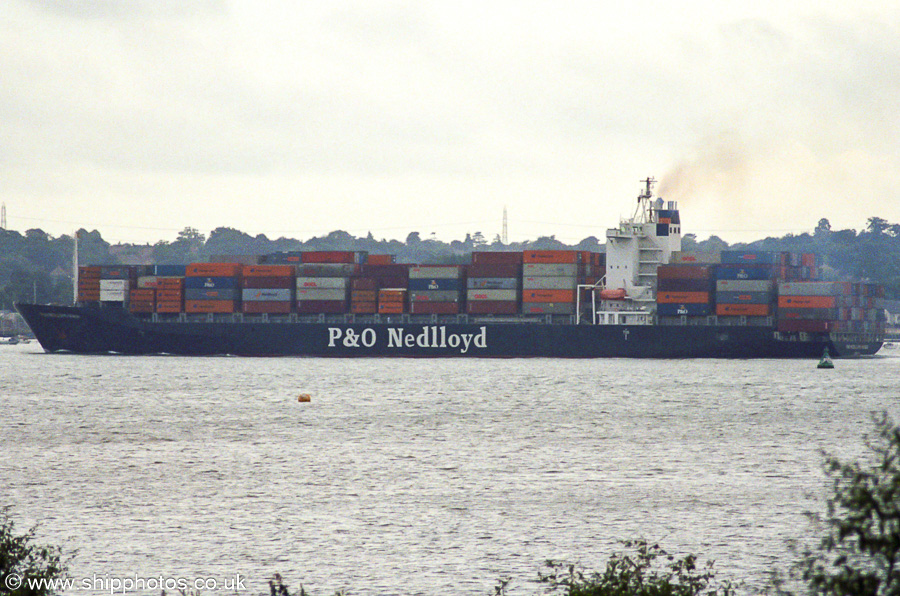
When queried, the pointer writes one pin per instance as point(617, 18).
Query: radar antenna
point(643, 199)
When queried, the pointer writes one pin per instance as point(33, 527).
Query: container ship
point(642, 298)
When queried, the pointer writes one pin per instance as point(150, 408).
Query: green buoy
point(825, 362)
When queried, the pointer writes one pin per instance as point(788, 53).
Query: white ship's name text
point(431, 336)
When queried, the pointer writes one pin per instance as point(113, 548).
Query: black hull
point(97, 331)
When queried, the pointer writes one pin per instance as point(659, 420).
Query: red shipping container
point(496, 258)
point(213, 270)
point(496, 269)
point(363, 283)
point(804, 326)
point(684, 271)
point(322, 306)
point(397, 270)
point(434, 308)
point(267, 306)
point(333, 256)
point(268, 283)
point(492, 307)
point(550, 256)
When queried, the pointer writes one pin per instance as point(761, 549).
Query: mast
point(505, 238)
point(75, 269)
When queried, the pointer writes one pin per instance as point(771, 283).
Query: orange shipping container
point(140, 307)
point(391, 295)
point(683, 297)
point(363, 295)
point(213, 270)
point(806, 302)
point(381, 259)
point(743, 310)
point(390, 308)
point(207, 306)
point(143, 295)
point(91, 272)
point(169, 295)
point(550, 256)
point(169, 282)
point(268, 270)
point(548, 296)
point(169, 306)
point(364, 308)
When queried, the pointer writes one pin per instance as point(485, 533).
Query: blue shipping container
point(745, 272)
point(211, 283)
point(690, 310)
point(169, 270)
point(422, 285)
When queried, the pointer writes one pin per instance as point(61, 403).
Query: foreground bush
point(860, 551)
point(643, 570)
point(23, 563)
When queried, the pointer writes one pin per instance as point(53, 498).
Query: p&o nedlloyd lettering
point(431, 336)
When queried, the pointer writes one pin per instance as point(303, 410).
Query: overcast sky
point(141, 117)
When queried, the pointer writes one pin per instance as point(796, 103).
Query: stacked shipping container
point(494, 284)
point(436, 290)
point(212, 288)
point(267, 289)
point(744, 283)
point(685, 290)
point(818, 307)
point(549, 281)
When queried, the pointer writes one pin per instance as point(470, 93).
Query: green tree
point(645, 570)
point(860, 552)
point(22, 562)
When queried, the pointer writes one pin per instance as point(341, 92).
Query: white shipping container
point(113, 296)
point(266, 294)
point(549, 283)
point(436, 272)
point(121, 285)
point(326, 283)
point(549, 270)
point(147, 281)
point(744, 285)
point(506, 295)
point(809, 288)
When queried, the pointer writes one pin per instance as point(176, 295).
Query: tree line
point(36, 266)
